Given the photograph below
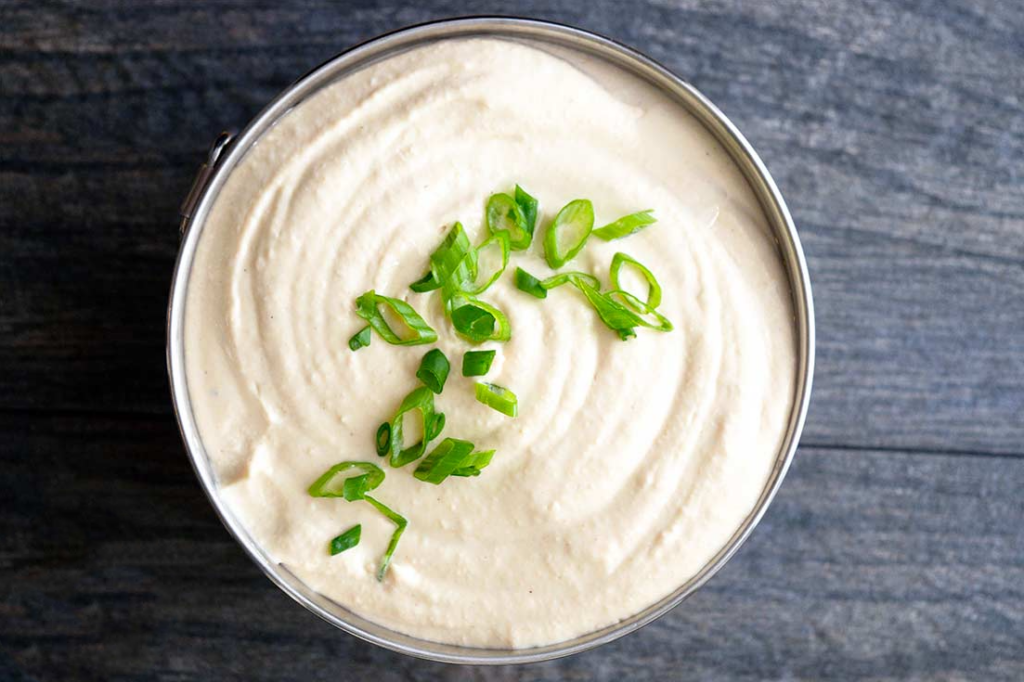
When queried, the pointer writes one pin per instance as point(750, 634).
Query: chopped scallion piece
point(367, 308)
point(400, 525)
point(653, 288)
point(528, 205)
point(568, 232)
point(476, 363)
point(504, 215)
point(436, 426)
point(661, 323)
point(383, 440)
point(333, 484)
point(449, 455)
point(476, 462)
point(498, 398)
point(453, 263)
point(616, 316)
point(346, 540)
point(425, 283)
point(569, 277)
point(530, 284)
point(421, 400)
point(478, 321)
point(361, 338)
point(473, 321)
point(433, 371)
point(499, 240)
point(626, 225)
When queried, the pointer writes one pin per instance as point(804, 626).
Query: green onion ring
point(366, 308)
point(653, 288)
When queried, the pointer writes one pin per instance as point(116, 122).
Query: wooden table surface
point(895, 549)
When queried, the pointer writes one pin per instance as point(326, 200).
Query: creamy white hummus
point(630, 464)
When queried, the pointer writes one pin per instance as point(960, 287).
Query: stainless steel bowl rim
point(224, 157)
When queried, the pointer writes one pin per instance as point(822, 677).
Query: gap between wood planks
point(125, 415)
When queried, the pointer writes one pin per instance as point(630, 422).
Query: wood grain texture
point(894, 129)
point(115, 567)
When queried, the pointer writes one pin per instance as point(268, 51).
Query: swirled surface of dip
point(630, 465)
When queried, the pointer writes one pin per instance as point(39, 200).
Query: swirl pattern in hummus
point(630, 464)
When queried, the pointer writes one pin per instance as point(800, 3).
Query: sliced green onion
point(361, 339)
point(568, 232)
point(421, 400)
point(530, 284)
point(448, 456)
point(499, 239)
point(569, 277)
point(661, 323)
point(383, 440)
point(453, 263)
point(653, 288)
point(498, 398)
point(478, 321)
point(476, 462)
point(476, 363)
point(503, 214)
point(425, 283)
point(400, 524)
point(433, 371)
point(473, 321)
point(367, 308)
point(626, 225)
point(528, 205)
point(616, 316)
point(333, 484)
point(346, 540)
point(436, 426)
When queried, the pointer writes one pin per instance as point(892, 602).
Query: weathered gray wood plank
point(895, 129)
point(873, 566)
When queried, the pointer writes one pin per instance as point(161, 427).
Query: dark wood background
point(895, 549)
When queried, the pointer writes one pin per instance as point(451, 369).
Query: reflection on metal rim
point(220, 166)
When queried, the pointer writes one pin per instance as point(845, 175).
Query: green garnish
point(400, 524)
point(425, 283)
point(568, 232)
point(421, 400)
point(503, 214)
point(433, 370)
point(653, 288)
point(361, 339)
point(476, 363)
point(352, 488)
point(436, 426)
point(346, 540)
point(528, 205)
point(383, 440)
point(661, 323)
point(569, 277)
point(530, 284)
point(626, 225)
point(498, 398)
point(478, 321)
point(616, 316)
point(453, 263)
point(453, 457)
point(476, 462)
point(499, 239)
point(367, 308)
point(448, 456)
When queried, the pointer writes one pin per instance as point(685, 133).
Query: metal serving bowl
point(226, 154)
